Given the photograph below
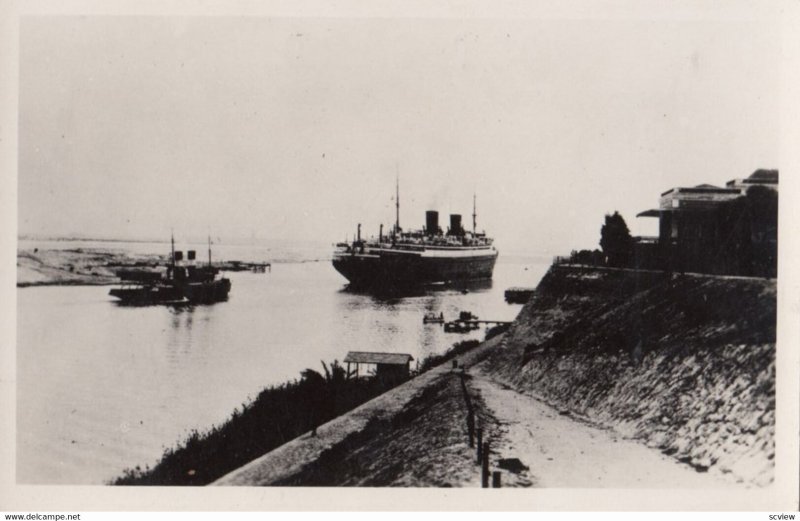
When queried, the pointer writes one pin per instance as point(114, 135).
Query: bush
point(616, 241)
point(458, 348)
point(277, 415)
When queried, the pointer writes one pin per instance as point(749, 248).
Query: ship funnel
point(432, 222)
point(191, 254)
point(178, 256)
point(455, 224)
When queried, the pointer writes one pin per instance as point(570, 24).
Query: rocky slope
point(685, 363)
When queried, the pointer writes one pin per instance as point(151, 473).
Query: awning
point(652, 213)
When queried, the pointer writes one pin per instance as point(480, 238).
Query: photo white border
point(782, 495)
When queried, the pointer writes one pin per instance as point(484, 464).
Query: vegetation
point(616, 241)
point(587, 257)
point(277, 415)
point(459, 348)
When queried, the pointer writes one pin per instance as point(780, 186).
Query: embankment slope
point(412, 435)
point(684, 363)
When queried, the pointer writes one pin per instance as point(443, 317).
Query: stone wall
point(684, 363)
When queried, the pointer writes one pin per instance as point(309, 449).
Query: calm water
point(102, 387)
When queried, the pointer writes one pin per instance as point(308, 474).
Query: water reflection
point(379, 294)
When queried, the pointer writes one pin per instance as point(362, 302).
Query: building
point(762, 177)
point(384, 366)
point(712, 229)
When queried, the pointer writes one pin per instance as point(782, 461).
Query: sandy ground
point(76, 266)
point(561, 451)
point(93, 266)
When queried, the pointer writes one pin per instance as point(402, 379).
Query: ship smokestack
point(432, 222)
point(380, 234)
point(455, 224)
point(359, 233)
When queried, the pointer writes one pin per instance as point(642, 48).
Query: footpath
point(554, 449)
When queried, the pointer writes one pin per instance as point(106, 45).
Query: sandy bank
point(96, 266)
point(77, 266)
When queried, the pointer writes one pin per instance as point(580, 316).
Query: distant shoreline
point(44, 283)
point(87, 239)
point(97, 266)
point(76, 267)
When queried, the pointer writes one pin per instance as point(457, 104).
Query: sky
point(297, 128)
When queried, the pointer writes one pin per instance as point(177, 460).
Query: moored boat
point(433, 318)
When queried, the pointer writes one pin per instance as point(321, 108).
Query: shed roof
point(366, 357)
point(654, 213)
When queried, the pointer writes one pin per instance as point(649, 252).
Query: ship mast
point(397, 204)
point(171, 270)
point(209, 250)
point(474, 214)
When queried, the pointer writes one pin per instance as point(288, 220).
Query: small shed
point(387, 365)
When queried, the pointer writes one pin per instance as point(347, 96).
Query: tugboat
point(433, 318)
point(183, 283)
point(405, 259)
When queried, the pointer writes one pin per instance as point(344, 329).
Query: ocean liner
point(409, 258)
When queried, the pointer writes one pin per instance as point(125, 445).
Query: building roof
point(653, 213)
point(366, 357)
point(762, 174)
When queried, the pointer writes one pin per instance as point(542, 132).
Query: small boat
point(467, 315)
point(182, 283)
point(459, 327)
point(433, 318)
point(465, 323)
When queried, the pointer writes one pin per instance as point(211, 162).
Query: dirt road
point(561, 451)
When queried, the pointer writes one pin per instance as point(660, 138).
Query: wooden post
point(485, 466)
point(348, 371)
point(471, 427)
point(480, 447)
point(496, 479)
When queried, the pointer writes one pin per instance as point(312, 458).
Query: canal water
point(102, 387)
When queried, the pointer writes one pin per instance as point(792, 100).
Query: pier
point(465, 326)
point(479, 322)
point(518, 295)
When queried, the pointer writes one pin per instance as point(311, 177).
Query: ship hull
point(389, 269)
point(190, 293)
